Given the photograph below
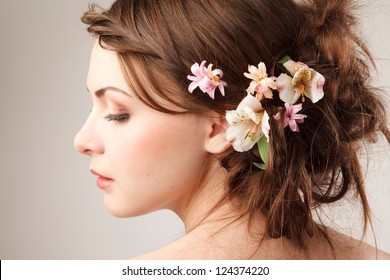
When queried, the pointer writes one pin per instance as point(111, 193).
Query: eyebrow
point(100, 92)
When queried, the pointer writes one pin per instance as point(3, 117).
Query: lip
point(102, 182)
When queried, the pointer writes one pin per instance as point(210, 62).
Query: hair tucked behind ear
point(160, 40)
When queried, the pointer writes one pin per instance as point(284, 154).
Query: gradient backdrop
point(50, 207)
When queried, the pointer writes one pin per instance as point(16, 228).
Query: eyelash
point(121, 118)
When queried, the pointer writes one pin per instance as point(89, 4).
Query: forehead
point(105, 70)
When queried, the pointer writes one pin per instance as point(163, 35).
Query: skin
point(156, 161)
point(140, 154)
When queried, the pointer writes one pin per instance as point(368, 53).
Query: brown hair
point(160, 40)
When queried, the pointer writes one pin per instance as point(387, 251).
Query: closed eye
point(120, 118)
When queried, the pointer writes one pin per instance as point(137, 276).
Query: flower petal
point(315, 90)
point(238, 133)
point(268, 94)
point(252, 115)
point(233, 117)
point(271, 82)
point(202, 66)
point(252, 87)
point(193, 86)
point(293, 125)
point(295, 108)
point(234, 132)
point(265, 126)
point(205, 84)
point(221, 87)
point(217, 72)
point(290, 66)
point(285, 88)
point(195, 69)
point(252, 71)
point(211, 92)
point(262, 70)
point(249, 101)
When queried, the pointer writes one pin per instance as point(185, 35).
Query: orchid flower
point(247, 124)
point(261, 84)
point(304, 82)
point(206, 79)
point(290, 117)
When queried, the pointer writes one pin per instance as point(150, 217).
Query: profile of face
point(146, 160)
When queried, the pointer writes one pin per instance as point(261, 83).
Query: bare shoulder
point(177, 250)
point(348, 248)
point(344, 248)
point(172, 253)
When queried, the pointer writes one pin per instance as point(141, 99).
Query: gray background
point(50, 207)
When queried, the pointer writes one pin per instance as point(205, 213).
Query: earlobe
point(216, 141)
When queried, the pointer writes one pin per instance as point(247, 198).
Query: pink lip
point(102, 182)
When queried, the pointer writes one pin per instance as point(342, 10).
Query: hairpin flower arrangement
point(249, 123)
point(206, 79)
point(300, 81)
point(261, 84)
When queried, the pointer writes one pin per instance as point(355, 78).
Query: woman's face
point(145, 160)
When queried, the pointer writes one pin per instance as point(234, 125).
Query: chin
point(118, 213)
point(121, 211)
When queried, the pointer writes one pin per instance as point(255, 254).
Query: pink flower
point(206, 79)
point(304, 82)
point(261, 84)
point(290, 117)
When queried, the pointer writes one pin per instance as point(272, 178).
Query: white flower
point(247, 124)
point(265, 126)
point(261, 84)
point(304, 82)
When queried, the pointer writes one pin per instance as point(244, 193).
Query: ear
point(216, 141)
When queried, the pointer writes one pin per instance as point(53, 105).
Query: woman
point(242, 117)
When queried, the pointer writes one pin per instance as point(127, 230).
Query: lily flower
point(304, 82)
point(206, 79)
point(265, 126)
point(290, 117)
point(246, 124)
point(261, 84)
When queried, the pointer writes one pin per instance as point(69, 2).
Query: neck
point(210, 216)
point(207, 204)
point(216, 230)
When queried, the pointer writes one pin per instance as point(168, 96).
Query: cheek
point(147, 145)
point(158, 140)
point(159, 164)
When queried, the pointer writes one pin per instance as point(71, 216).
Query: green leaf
point(260, 165)
point(262, 145)
point(282, 61)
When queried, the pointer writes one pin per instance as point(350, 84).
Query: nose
point(87, 140)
